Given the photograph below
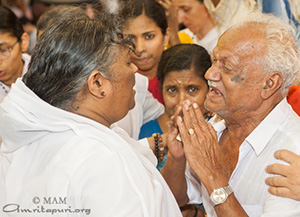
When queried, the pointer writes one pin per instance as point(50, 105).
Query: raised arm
point(171, 14)
point(174, 169)
point(202, 152)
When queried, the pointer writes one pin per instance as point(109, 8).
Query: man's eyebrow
point(151, 31)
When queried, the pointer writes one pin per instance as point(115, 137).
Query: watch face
point(219, 196)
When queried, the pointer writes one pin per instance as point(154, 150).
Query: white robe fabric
point(229, 12)
point(209, 41)
point(146, 108)
point(57, 163)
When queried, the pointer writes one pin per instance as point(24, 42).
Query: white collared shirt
point(279, 130)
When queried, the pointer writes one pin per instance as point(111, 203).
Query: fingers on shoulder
point(287, 156)
point(276, 168)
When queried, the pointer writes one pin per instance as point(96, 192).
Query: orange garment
point(184, 39)
point(293, 98)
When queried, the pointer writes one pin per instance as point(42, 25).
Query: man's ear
point(272, 83)
point(24, 42)
point(96, 84)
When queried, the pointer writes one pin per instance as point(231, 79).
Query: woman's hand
point(287, 184)
point(175, 147)
point(171, 14)
point(174, 169)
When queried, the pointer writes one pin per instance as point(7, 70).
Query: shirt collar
point(261, 135)
point(218, 124)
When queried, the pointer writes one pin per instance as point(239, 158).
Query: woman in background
point(148, 29)
point(181, 73)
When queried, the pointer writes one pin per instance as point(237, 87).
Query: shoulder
point(141, 87)
point(141, 82)
point(26, 57)
point(291, 125)
point(76, 150)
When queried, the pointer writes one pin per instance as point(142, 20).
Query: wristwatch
point(219, 195)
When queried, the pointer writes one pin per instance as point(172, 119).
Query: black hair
point(181, 57)
point(152, 9)
point(10, 23)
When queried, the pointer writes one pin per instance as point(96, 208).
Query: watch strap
point(228, 189)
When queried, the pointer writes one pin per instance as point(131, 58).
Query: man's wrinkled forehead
point(242, 39)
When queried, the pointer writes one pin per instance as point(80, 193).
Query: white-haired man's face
point(235, 77)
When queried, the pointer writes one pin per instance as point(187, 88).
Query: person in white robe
point(62, 154)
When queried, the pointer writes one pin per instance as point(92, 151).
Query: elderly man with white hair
point(253, 66)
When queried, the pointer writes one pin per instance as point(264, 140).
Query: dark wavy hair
point(67, 53)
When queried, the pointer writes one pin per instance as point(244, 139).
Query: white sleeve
point(152, 108)
point(193, 186)
point(146, 108)
point(144, 142)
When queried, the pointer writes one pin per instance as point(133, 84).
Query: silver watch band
point(228, 189)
